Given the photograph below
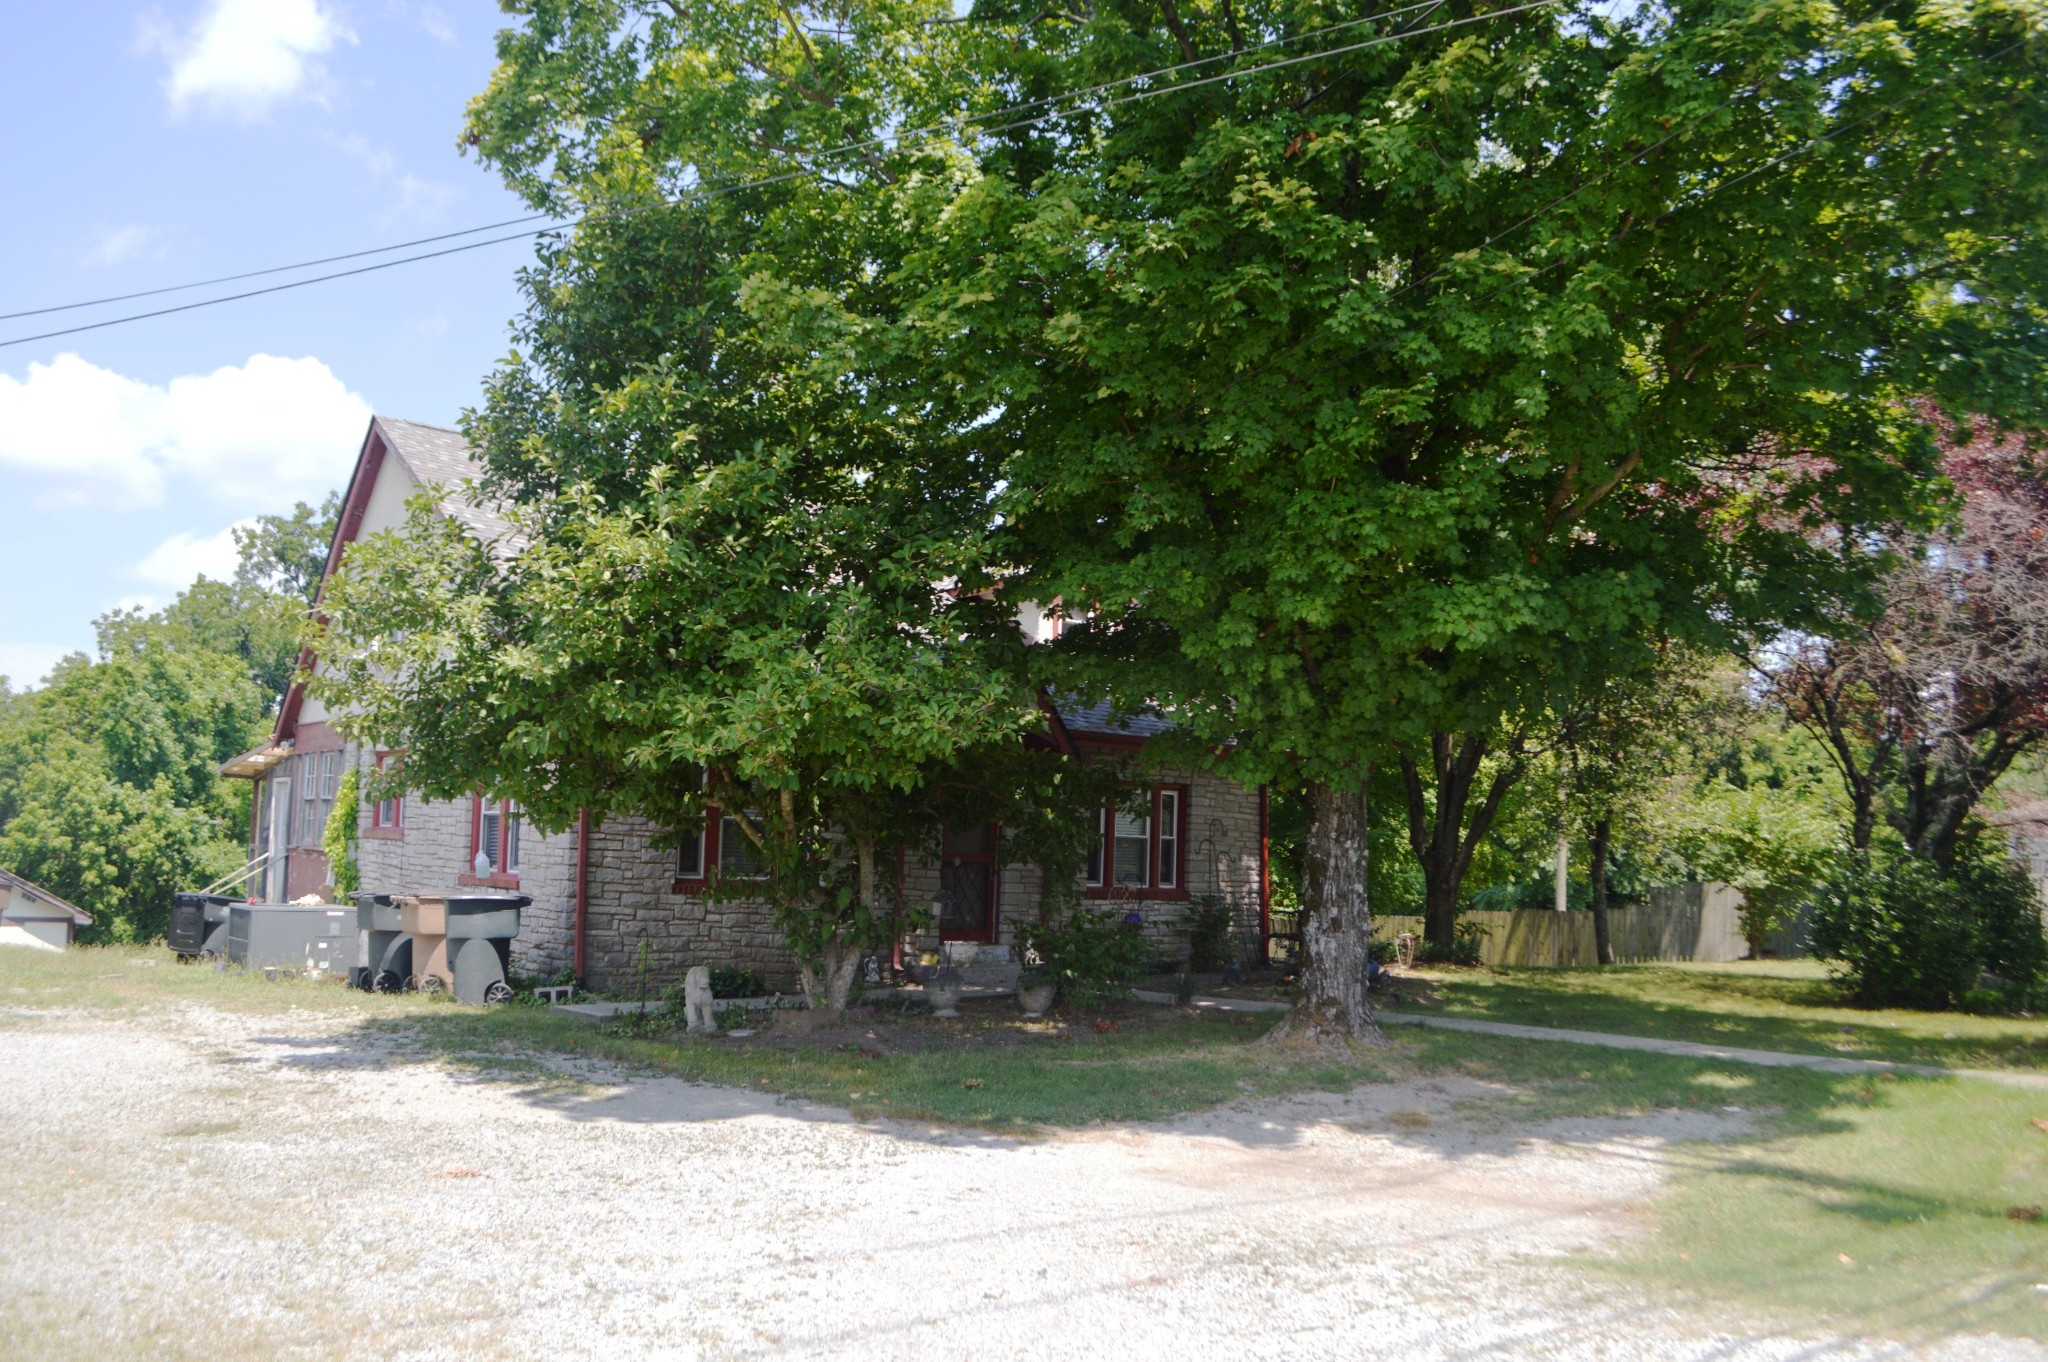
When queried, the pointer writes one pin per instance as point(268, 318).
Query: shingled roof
point(439, 456)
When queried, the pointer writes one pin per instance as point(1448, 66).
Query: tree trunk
point(829, 984)
point(1596, 869)
point(1438, 833)
point(1336, 924)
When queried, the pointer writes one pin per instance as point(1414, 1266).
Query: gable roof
point(1098, 720)
point(434, 456)
point(79, 917)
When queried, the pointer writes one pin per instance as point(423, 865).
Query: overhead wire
point(847, 148)
point(697, 194)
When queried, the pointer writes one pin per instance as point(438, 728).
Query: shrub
point(1906, 933)
point(1467, 940)
point(1208, 934)
point(730, 981)
point(1091, 955)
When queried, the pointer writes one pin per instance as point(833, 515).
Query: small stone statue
point(697, 1000)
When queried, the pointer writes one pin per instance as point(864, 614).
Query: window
point(737, 854)
point(1138, 846)
point(1167, 860)
point(494, 834)
point(387, 815)
point(690, 855)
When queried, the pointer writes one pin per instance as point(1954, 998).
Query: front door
point(967, 885)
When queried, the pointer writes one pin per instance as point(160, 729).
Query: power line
point(849, 147)
point(713, 191)
point(274, 269)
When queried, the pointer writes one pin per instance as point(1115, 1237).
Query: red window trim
point(497, 879)
point(987, 936)
point(1179, 892)
point(708, 847)
point(393, 831)
point(713, 835)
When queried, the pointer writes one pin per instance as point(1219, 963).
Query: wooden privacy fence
point(1679, 922)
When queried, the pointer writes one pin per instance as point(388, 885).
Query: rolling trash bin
point(199, 925)
point(462, 943)
point(384, 951)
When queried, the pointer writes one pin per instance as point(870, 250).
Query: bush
point(1208, 934)
point(1906, 933)
point(730, 981)
point(1092, 956)
point(1467, 939)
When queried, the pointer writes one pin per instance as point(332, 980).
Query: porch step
point(983, 967)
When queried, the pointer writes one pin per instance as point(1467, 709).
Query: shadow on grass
point(1734, 1007)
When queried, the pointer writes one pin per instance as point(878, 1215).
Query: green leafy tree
point(258, 617)
point(287, 554)
point(108, 794)
point(1370, 394)
point(1378, 394)
point(338, 839)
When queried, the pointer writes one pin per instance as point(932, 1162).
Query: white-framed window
point(495, 828)
point(737, 854)
point(1131, 850)
point(1166, 840)
point(690, 854)
point(387, 814)
point(1139, 846)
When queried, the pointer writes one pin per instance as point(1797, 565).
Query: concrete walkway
point(1687, 1049)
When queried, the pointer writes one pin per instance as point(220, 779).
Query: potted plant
point(942, 988)
point(1035, 992)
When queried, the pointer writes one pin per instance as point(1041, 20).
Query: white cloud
point(117, 245)
point(244, 56)
point(436, 24)
point(185, 557)
point(269, 431)
point(418, 200)
point(374, 159)
point(27, 664)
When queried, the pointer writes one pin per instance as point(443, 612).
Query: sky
point(157, 144)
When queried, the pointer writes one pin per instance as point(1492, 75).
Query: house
point(32, 909)
point(606, 898)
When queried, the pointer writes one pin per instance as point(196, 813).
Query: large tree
point(1926, 706)
point(1358, 392)
point(1363, 371)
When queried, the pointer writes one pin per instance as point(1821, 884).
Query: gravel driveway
point(210, 1185)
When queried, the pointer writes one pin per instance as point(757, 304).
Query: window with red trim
point(495, 826)
point(718, 849)
point(1141, 847)
point(388, 815)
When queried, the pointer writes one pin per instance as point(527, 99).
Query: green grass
point(1768, 1005)
point(1029, 1081)
point(1907, 1178)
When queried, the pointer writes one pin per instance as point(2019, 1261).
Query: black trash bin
point(384, 951)
point(463, 942)
point(199, 925)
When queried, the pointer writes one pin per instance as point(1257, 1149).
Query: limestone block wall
point(1222, 859)
point(432, 854)
point(632, 904)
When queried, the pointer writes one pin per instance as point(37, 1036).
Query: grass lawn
point(1877, 1205)
point(1764, 1005)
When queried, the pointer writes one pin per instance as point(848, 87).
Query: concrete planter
point(942, 991)
point(1036, 999)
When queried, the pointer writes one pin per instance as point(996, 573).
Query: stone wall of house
point(432, 854)
point(633, 904)
point(1222, 860)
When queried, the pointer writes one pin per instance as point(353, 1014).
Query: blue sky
point(157, 144)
